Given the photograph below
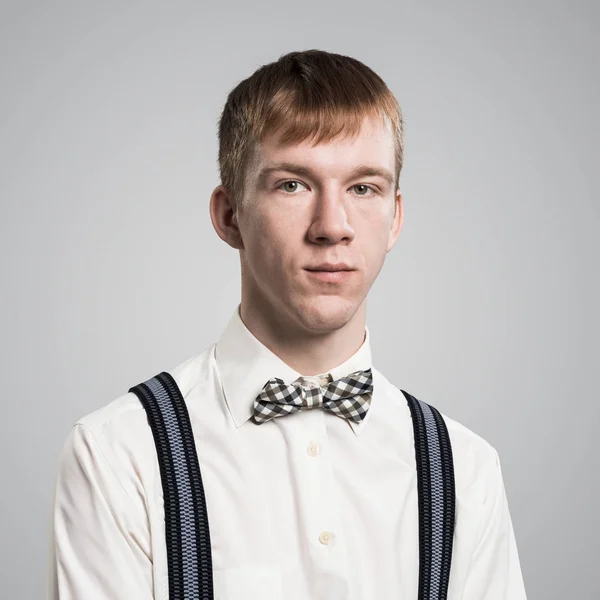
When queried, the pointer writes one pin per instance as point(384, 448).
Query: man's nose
point(330, 218)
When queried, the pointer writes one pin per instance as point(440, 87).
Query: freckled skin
point(290, 221)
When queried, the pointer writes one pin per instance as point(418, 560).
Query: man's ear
point(396, 224)
point(223, 215)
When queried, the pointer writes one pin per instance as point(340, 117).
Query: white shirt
point(306, 506)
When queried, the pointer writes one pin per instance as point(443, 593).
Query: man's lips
point(330, 276)
point(331, 267)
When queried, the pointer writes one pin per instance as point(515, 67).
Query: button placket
point(325, 537)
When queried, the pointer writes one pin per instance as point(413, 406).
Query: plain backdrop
point(487, 307)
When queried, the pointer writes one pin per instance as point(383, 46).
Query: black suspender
point(435, 483)
point(186, 520)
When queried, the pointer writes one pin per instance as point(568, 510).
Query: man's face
point(296, 218)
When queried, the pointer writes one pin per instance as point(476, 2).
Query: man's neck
point(307, 352)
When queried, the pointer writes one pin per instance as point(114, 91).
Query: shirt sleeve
point(495, 571)
point(95, 551)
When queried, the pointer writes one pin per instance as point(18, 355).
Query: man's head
point(310, 154)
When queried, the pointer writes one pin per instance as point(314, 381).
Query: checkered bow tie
point(348, 397)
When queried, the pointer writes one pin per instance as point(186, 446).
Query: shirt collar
point(245, 364)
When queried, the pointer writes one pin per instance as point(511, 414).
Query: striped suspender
point(435, 483)
point(186, 520)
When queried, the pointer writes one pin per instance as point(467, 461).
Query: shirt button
point(311, 382)
point(325, 537)
point(312, 449)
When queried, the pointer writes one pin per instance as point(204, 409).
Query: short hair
point(310, 93)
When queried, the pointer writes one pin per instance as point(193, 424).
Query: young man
point(304, 500)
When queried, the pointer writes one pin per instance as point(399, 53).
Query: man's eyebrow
point(359, 171)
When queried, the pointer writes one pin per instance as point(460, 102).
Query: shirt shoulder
point(477, 469)
point(476, 461)
point(120, 434)
point(127, 407)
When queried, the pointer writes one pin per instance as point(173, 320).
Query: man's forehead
point(371, 149)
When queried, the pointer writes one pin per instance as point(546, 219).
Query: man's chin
point(325, 313)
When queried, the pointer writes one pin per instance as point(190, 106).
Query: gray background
point(487, 307)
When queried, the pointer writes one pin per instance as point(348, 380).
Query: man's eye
point(292, 185)
point(363, 187)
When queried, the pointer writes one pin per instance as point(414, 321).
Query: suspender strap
point(186, 520)
point(435, 481)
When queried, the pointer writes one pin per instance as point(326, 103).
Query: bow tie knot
point(311, 394)
point(348, 397)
